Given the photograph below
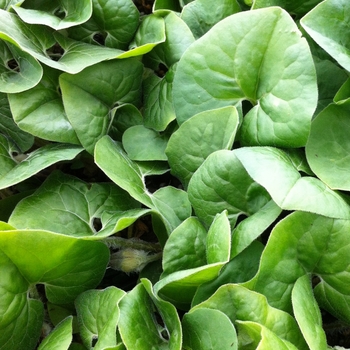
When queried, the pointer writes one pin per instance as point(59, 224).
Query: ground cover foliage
point(174, 174)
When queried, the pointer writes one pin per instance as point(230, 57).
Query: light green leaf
point(9, 128)
point(150, 33)
point(273, 169)
point(179, 287)
point(99, 88)
point(60, 338)
point(327, 24)
point(19, 71)
point(98, 315)
point(52, 48)
point(51, 13)
point(113, 24)
point(252, 335)
point(38, 160)
point(257, 56)
point(296, 7)
point(200, 15)
point(71, 206)
point(307, 314)
point(305, 243)
point(65, 265)
point(253, 226)
point(7, 4)
point(241, 304)
point(158, 108)
point(208, 329)
point(219, 239)
point(185, 247)
point(172, 326)
point(198, 137)
point(328, 147)
point(138, 325)
point(141, 143)
point(240, 269)
point(40, 112)
point(221, 183)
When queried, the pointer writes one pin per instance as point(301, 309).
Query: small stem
point(134, 243)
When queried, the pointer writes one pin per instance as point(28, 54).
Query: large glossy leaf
point(99, 89)
point(98, 316)
point(19, 71)
point(327, 24)
point(36, 161)
point(71, 206)
point(51, 13)
point(328, 146)
point(159, 111)
point(198, 137)
point(66, 266)
point(257, 56)
point(200, 15)
point(113, 24)
point(306, 243)
point(221, 183)
point(40, 112)
point(273, 169)
point(208, 329)
point(241, 304)
point(52, 48)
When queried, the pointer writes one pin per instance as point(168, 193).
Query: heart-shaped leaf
point(260, 57)
point(71, 206)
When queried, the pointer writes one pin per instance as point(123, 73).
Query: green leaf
point(296, 7)
point(198, 137)
point(307, 314)
point(47, 46)
point(99, 88)
point(200, 15)
point(50, 13)
point(273, 169)
point(306, 243)
point(219, 239)
point(221, 183)
point(72, 207)
point(241, 304)
point(150, 33)
point(208, 329)
point(257, 56)
point(327, 24)
point(138, 325)
point(66, 266)
point(19, 71)
point(9, 128)
point(158, 108)
point(6, 160)
point(185, 247)
point(113, 24)
point(141, 143)
point(252, 335)
point(240, 269)
point(36, 161)
point(253, 226)
point(98, 315)
point(328, 146)
point(169, 315)
point(60, 338)
point(29, 107)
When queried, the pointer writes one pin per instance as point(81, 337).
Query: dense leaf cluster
point(244, 105)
